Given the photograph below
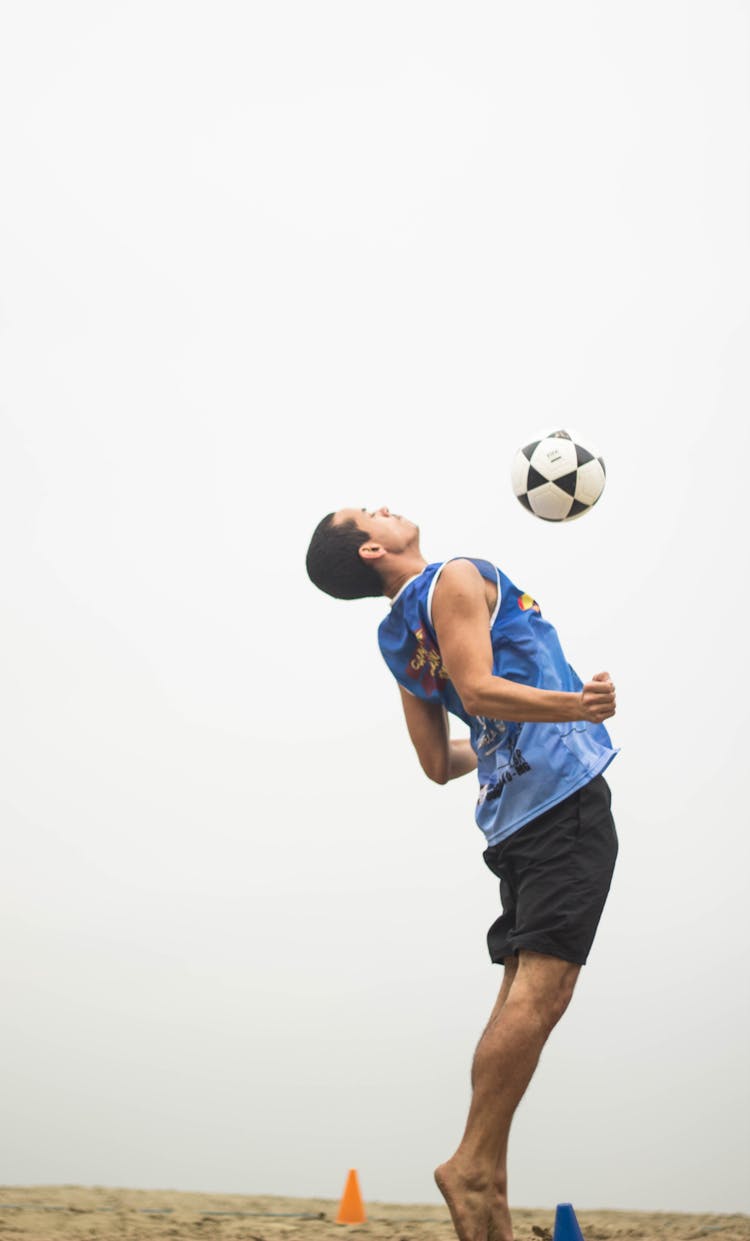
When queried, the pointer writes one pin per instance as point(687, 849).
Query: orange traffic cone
point(351, 1208)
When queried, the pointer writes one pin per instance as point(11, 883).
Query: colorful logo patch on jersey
point(525, 602)
point(426, 664)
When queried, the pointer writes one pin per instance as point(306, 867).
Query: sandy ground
point(76, 1213)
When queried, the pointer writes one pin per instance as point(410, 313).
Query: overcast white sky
point(258, 261)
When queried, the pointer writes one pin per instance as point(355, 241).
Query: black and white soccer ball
point(557, 476)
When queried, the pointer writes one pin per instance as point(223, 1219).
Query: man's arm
point(461, 620)
point(442, 759)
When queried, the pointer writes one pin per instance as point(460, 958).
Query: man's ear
point(371, 551)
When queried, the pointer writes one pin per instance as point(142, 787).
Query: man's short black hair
point(335, 565)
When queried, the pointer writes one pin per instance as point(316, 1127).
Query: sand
point(77, 1213)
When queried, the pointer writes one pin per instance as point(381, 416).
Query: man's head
point(355, 553)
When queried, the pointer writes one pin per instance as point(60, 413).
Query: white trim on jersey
point(493, 618)
point(431, 592)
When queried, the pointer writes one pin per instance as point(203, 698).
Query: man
point(460, 638)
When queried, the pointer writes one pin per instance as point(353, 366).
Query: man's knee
point(546, 984)
point(560, 1001)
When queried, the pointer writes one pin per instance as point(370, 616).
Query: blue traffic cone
point(567, 1227)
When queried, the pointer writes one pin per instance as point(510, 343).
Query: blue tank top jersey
point(523, 769)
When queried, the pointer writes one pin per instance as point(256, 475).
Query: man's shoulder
point(460, 569)
point(465, 573)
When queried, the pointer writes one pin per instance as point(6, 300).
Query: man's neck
point(401, 573)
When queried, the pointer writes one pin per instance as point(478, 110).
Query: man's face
point(387, 529)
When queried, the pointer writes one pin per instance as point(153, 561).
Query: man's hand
point(442, 758)
point(598, 699)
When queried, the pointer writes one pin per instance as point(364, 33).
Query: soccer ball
point(556, 477)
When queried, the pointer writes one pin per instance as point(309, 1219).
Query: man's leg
point(499, 1212)
point(473, 1182)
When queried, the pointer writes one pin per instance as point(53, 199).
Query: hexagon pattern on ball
point(558, 476)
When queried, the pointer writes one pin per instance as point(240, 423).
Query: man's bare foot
point(500, 1228)
point(469, 1202)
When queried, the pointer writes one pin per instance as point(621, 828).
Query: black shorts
point(554, 878)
